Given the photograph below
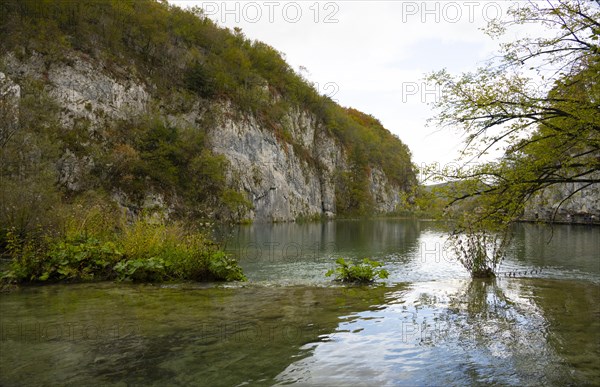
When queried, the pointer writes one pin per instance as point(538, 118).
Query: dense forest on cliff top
point(181, 52)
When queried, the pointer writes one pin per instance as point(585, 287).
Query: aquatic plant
point(480, 251)
point(142, 251)
point(364, 272)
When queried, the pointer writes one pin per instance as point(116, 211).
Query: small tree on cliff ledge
point(548, 128)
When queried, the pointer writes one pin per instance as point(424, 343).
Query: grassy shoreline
point(140, 251)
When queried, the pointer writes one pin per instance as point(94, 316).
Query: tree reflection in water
point(493, 331)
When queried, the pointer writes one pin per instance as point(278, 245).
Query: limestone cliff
point(566, 203)
point(284, 179)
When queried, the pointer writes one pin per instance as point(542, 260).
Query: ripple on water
point(449, 332)
point(429, 324)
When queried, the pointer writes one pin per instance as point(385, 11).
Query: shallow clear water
point(428, 324)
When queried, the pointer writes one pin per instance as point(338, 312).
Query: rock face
point(83, 89)
point(583, 206)
point(281, 182)
point(386, 198)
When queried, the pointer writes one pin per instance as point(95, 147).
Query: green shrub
point(80, 259)
point(224, 268)
point(153, 269)
point(159, 252)
point(143, 251)
point(480, 251)
point(26, 258)
point(364, 272)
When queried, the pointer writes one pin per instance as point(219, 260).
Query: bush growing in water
point(72, 259)
point(480, 251)
point(156, 252)
point(363, 272)
point(143, 251)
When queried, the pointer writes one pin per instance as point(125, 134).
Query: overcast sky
point(372, 55)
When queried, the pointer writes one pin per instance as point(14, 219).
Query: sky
point(373, 55)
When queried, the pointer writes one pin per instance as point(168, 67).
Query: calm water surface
point(428, 324)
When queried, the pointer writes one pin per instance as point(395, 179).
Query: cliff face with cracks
point(282, 181)
point(566, 203)
point(283, 184)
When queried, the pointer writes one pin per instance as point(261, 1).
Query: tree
point(9, 108)
point(549, 131)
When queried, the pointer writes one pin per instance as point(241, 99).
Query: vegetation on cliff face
point(180, 56)
point(369, 144)
point(180, 52)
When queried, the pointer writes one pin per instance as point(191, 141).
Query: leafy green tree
point(353, 195)
point(200, 80)
point(29, 198)
point(549, 130)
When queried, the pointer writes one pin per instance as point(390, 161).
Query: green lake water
point(427, 324)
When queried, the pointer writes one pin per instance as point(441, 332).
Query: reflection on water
point(412, 250)
point(429, 324)
point(301, 253)
point(461, 333)
point(564, 251)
